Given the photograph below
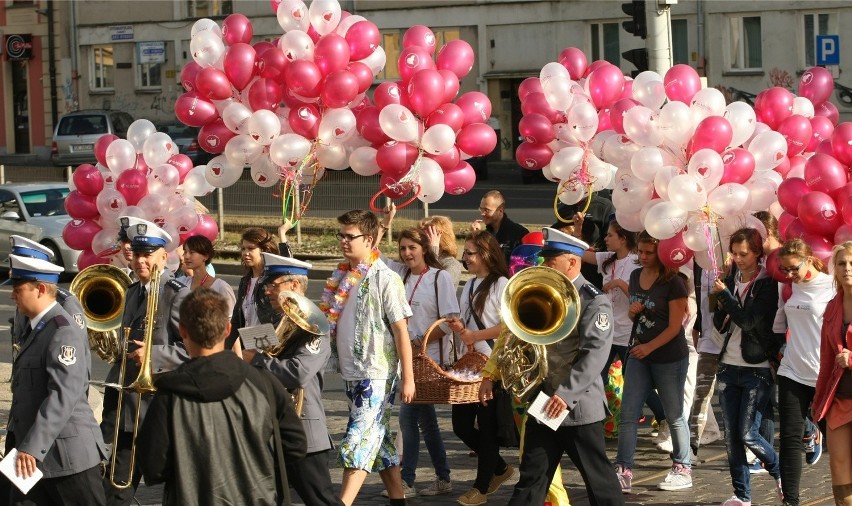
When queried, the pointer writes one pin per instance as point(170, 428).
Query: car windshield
point(178, 131)
point(83, 124)
point(49, 202)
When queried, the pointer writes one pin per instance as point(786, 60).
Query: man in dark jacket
point(208, 430)
point(492, 213)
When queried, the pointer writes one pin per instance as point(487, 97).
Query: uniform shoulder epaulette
point(62, 294)
point(60, 320)
point(592, 290)
point(175, 285)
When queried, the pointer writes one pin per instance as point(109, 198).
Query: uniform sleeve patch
point(602, 321)
point(313, 346)
point(67, 355)
point(79, 320)
point(175, 285)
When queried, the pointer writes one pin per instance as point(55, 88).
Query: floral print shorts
point(368, 443)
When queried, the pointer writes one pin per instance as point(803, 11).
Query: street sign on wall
point(121, 32)
point(18, 47)
point(151, 52)
point(828, 50)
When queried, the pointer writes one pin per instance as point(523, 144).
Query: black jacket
point(208, 433)
point(509, 235)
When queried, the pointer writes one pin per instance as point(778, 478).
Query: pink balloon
point(395, 158)
point(339, 88)
point(475, 106)
point(363, 38)
point(788, 164)
point(605, 85)
point(426, 92)
point(274, 63)
point(331, 54)
point(88, 180)
point(828, 110)
point(212, 84)
point(237, 29)
point(213, 136)
point(816, 84)
point(790, 192)
point(195, 111)
point(846, 210)
point(88, 258)
point(188, 74)
point(477, 139)
point(627, 92)
point(823, 173)
point(819, 214)
point(362, 74)
point(133, 184)
point(772, 264)
point(387, 93)
point(387, 184)
point(451, 85)
point(533, 156)
point(594, 66)
point(681, 83)
point(447, 114)
point(795, 229)
point(448, 160)
point(574, 60)
point(841, 194)
point(673, 252)
point(536, 103)
point(206, 227)
point(797, 131)
point(182, 163)
point(261, 47)
point(604, 120)
point(843, 234)
point(738, 164)
point(314, 35)
point(714, 132)
point(265, 94)
point(419, 35)
point(824, 147)
point(81, 206)
point(367, 123)
point(774, 105)
point(239, 64)
point(841, 143)
point(536, 129)
point(616, 113)
point(303, 78)
point(784, 221)
point(460, 179)
point(140, 164)
point(821, 128)
point(529, 85)
point(820, 245)
point(412, 59)
point(101, 146)
point(78, 233)
point(456, 56)
point(305, 120)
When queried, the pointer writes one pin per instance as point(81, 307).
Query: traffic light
point(638, 57)
point(636, 26)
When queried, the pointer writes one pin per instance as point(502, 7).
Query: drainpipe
point(51, 56)
point(699, 14)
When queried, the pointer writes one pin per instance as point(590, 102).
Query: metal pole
point(68, 171)
point(2, 174)
point(658, 43)
point(297, 204)
point(390, 225)
point(220, 202)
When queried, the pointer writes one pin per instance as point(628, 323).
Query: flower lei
point(337, 289)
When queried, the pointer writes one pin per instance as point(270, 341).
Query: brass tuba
point(101, 290)
point(301, 316)
point(539, 306)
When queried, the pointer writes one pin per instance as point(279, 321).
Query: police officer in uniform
point(51, 423)
point(148, 243)
point(300, 365)
point(573, 383)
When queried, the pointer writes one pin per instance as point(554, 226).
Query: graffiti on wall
point(157, 107)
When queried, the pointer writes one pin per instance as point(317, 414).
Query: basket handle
point(426, 334)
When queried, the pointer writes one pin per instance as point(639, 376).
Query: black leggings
point(476, 426)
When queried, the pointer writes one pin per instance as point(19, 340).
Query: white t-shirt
point(346, 335)
point(249, 306)
point(802, 315)
point(620, 269)
point(490, 315)
point(734, 353)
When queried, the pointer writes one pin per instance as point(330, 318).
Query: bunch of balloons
point(142, 176)
point(421, 134)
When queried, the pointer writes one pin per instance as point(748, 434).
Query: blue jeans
point(641, 377)
point(423, 415)
point(744, 394)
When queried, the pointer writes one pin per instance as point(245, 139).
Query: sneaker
point(779, 491)
point(472, 497)
point(757, 467)
point(813, 448)
point(407, 489)
point(679, 478)
point(625, 478)
point(735, 501)
point(438, 487)
point(499, 479)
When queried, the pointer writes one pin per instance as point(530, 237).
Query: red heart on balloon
point(293, 163)
point(403, 116)
point(217, 170)
point(297, 13)
point(779, 155)
point(411, 61)
point(168, 146)
point(261, 178)
point(702, 171)
point(327, 16)
point(114, 204)
point(339, 131)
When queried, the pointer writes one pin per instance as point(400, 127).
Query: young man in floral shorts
point(366, 308)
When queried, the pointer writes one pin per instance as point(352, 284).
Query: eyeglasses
point(348, 237)
point(488, 212)
point(790, 270)
point(278, 283)
point(469, 253)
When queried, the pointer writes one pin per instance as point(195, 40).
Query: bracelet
point(383, 227)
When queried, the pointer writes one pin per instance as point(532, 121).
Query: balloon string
point(409, 180)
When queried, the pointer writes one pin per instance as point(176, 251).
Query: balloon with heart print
point(376, 61)
point(212, 84)
point(235, 116)
point(412, 60)
point(214, 136)
point(195, 183)
point(816, 84)
point(221, 173)
point(533, 156)
point(264, 173)
point(824, 173)
point(420, 35)
point(206, 48)
point(738, 166)
point(206, 227)
point(304, 120)
point(242, 150)
point(456, 56)
point(797, 131)
point(184, 218)
point(120, 156)
point(664, 220)
point(388, 92)
point(728, 199)
point(395, 158)
point(265, 94)
point(431, 181)
point(82, 206)
point(687, 192)
point(324, 15)
point(673, 252)
point(263, 127)
point(303, 78)
point(399, 123)
point(237, 28)
point(425, 91)
point(292, 15)
point(163, 179)
point(337, 126)
point(476, 107)
point(182, 163)
point(339, 88)
point(363, 38)
point(188, 74)
point(111, 203)
point(819, 214)
point(158, 148)
point(101, 146)
point(78, 233)
point(133, 184)
point(707, 167)
point(289, 151)
point(438, 139)
point(154, 205)
point(195, 111)
point(88, 180)
point(768, 149)
point(460, 179)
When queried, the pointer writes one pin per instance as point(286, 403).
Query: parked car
point(186, 137)
point(36, 211)
point(76, 133)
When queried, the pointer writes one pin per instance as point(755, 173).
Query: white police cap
point(32, 269)
point(277, 265)
point(144, 235)
point(557, 242)
point(24, 247)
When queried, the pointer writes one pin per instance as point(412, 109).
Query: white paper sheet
point(536, 409)
point(258, 337)
point(7, 467)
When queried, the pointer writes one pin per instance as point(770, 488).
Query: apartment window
point(745, 43)
point(816, 24)
point(102, 69)
point(392, 44)
point(150, 57)
point(680, 42)
point(605, 44)
point(209, 8)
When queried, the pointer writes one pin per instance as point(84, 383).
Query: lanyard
point(747, 288)
point(419, 278)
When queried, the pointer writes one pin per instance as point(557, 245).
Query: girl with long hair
point(442, 238)
point(252, 306)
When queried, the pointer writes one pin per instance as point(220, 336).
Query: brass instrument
point(301, 315)
point(101, 290)
point(144, 383)
point(539, 306)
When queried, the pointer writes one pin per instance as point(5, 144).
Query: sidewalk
point(712, 483)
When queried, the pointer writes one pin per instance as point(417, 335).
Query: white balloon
point(346, 24)
point(430, 177)
point(195, 183)
point(289, 150)
point(205, 24)
point(265, 173)
point(297, 45)
point(743, 121)
point(768, 149)
point(729, 199)
point(337, 126)
point(263, 126)
point(687, 192)
point(120, 156)
point(363, 161)
point(646, 162)
point(236, 116)
point(206, 48)
point(763, 192)
point(583, 120)
point(707, 102)
point(707, 167)
point(138, 132)
point(803, 107)
point(566, 162)
point(675, 122)
point(630, 193)
point(221, 173)
point(398, 123)
point(376, 61)
point(332, 156)
point(242, 150)
point(648, 89)
point(438, 139)
point(664, 220)
point(571, 192)
point(293, 15)
point(662, 179)
point(324, 15)
point(642, 126)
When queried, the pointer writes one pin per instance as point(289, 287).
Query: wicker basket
point(434, 386)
